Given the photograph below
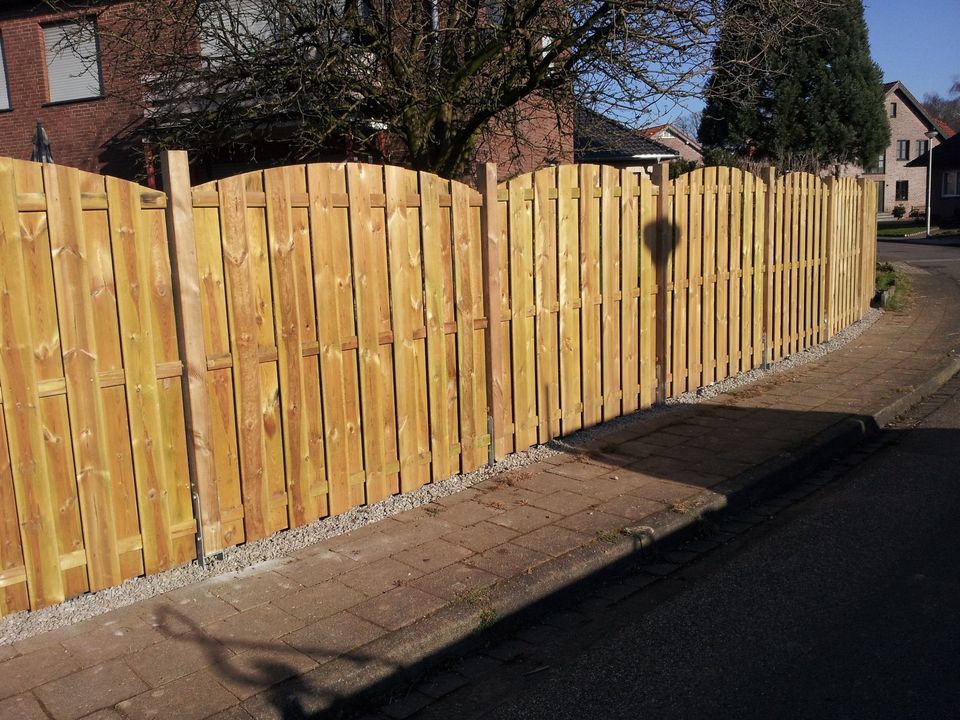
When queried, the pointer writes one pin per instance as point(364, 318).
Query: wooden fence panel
point(93, 484)
point(345, 315)
point(355, 299)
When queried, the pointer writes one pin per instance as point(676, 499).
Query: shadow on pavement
point(658, 458)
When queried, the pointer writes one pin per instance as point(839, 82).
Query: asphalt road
point(845, 605)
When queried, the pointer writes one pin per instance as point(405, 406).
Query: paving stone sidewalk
point(290, 637)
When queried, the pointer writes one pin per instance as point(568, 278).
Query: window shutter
point(73, 65)
point(4, 92)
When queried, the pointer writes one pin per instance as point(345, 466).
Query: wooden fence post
point(661, 179)
point(770, 177)
point(866, 283)
point(490, 236)
point(186, 303)
point(829, 258)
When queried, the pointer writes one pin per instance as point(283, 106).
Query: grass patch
point(900, 230)
point(889, 277)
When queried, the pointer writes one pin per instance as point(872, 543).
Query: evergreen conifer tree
point(811, 100)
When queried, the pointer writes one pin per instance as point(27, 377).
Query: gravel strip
point(251, 556)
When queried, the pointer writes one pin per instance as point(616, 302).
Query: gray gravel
point(260, 554)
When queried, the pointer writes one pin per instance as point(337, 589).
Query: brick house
point(85, 121)
point(945, 185)
point(675, 139)
point(900, 182)
point(91, 126)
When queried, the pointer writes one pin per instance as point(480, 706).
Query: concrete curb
point(397, 659)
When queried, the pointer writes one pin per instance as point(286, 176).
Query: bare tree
point(945, 108)
point(425, 82)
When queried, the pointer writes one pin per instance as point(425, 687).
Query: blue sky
point(916, 42)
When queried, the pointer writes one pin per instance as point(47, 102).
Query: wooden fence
point(286, 344)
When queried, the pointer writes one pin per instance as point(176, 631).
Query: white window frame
point(905, 146)
point(5, 103)
point(73, 73)
point(956, 183)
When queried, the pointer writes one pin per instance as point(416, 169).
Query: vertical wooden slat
point(406, 272)
point(87, 421)
point(329, 237)
point(568, 241)
point(695, 281)
point(590, 297)
point(681, 281)
point(708, 323)
point(649, 292)
point(735, 340)
point(547, 302)
point(360, 184)
point(630, 290)
point(490, 237)
point(759, 241)
point(132, 265)
point(299, 463)
point(244, 318)
point(769, 212)
point(32, 484)
point(505, 315)
point(441, 433)
point(610, 292)
point(747, 265)
point(723, 273)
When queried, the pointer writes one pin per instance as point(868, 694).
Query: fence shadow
point(687, 446)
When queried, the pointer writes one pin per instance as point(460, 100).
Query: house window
point(903, 189)
point(951, 183)
point(233, 25)
point(4, 92)
point(73, 61)
point(922, 147)
point(903, 149)
point(893, 110)
point(879, 167)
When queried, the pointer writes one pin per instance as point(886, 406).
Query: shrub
point(899, 211)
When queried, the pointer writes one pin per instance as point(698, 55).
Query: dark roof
point(597, 138)
point(946, 155)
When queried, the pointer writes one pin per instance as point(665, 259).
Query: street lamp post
point(930, 136)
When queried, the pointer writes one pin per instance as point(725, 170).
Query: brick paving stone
point(421, 531)
point(365, 549)
point(592, 522)
point(482, 536)
point(564, 502)
point(317, 567)
point(174, 658)
point(249, 630)
point(328, 638)
point(661, 438)
point(664, 491)
point(455, 580)
point(233, 713)
point(253, 672)
point(194, 606)
point(579, 470)
point(399, 607)
point(459, 497)
point(524, 519)
point(618, 482)
point(248, 589)
point(190, 698)
point(320, 601)
point(549, 482)
point(27, 671)
point(114, 637)
point(105, 714)
point(631, 507)
point(83, 692)
point(504, 498)
point(22, 707)
point(507, 560)
point(433, 555)
point(552, 540)
point(380, 576)
point(466, 513)
point(7, 652)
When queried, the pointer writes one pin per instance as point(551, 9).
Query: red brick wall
point(82, 134)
